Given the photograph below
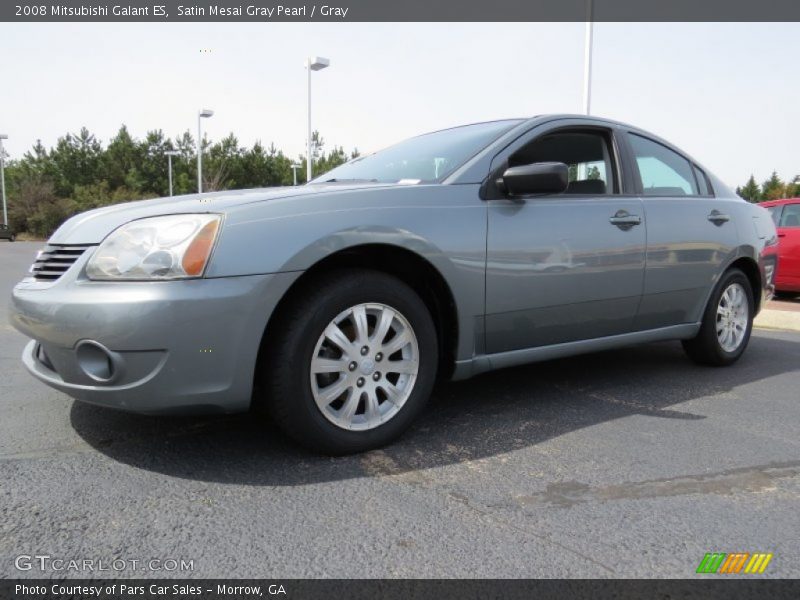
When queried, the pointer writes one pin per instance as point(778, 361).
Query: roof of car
point(583, 117)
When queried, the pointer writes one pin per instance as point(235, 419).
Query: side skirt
point(489, 362)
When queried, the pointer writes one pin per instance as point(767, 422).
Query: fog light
point(98, 362)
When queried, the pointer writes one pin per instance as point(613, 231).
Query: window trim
point(638, 176)
point(698, 169)
point(490, 191)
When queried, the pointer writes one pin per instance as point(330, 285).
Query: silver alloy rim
point(364, 366)
point(732, 315)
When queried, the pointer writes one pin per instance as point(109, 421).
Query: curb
point(778, 319)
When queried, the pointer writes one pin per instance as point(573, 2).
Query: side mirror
point(536, 178)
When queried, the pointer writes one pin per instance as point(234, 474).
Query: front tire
point(727, 322)
point(352, 363)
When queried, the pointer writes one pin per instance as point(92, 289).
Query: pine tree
point(751, 191)
point(773, 188)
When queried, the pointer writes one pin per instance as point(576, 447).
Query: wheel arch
point(749, 267)
point(743, 260)
point(408, 266)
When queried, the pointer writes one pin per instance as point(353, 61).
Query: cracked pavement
point(629, 463)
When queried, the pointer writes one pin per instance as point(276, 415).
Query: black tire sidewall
point(306, 420)
point(708, 331)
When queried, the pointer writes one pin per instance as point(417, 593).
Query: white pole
point(199, 154)
point(3, 181)
point(587, 60)
point(308, 141)
point(169, 160)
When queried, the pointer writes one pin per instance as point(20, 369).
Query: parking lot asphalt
point(628, 463)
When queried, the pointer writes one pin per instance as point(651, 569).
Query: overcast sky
point(725, 93)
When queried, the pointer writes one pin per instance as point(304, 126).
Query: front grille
point(54, 260)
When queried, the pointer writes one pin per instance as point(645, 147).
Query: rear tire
point(308, 361)
point(727, 323)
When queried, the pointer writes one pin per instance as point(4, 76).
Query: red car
point(786, 214)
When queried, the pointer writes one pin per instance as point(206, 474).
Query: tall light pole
point(3, 136)
point(170, 154)
point(587, 59)
point(316, 63)
point(295, 166)
point(203, 114)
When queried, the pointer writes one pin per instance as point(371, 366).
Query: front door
point(569, 266)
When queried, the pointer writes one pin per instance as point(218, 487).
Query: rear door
point(570, 266)
point(788, 277)
point(690, 233)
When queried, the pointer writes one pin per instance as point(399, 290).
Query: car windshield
point(425, 158)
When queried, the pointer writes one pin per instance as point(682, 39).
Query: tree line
point(47, 186)
point(771, 189)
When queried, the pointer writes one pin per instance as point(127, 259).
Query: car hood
point(92, 226)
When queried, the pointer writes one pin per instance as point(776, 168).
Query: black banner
point(398, 10)
point(733, 588)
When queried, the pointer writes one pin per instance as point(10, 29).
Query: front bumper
point(171, 346)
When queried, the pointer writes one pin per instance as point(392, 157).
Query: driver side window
point(585, 153)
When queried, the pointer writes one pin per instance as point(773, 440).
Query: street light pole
point(3, 136)
point(587, 59)
point(317, 63)
point(203, 114)
point(170, 154)
point(308, 132)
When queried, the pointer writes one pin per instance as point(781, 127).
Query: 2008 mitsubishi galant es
point(336, 305)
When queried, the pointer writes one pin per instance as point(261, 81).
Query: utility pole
point(316, 63)
point(3, 136)
point(170, 154)
point(587, 59)
point(203, 114)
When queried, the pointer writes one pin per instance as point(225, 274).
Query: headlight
point(168, 247)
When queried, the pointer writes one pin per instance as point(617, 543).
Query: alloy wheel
point(364, 366)
point(733, 313)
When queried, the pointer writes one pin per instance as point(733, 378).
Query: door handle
point(718, 218)
point(624, 220)
point(781, 235)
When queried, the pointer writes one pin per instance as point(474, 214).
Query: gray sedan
point(335, 306)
